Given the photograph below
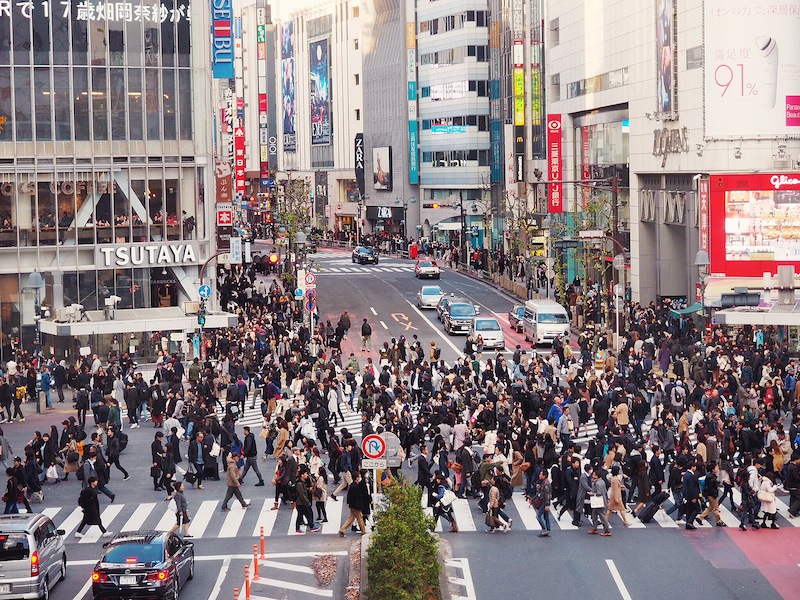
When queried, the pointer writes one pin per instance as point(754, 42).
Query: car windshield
point(462, 310)
point(130, 554)
point(13, 546)
point(366, 250)
point(552, 319)
point(427, 263)
point(519, 311)
point(487, 325)
point(433, 291)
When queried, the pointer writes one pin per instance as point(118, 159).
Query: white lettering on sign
point(780, 180)
point(108, 11)
point(165, 254)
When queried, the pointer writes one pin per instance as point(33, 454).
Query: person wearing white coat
point(770, 508)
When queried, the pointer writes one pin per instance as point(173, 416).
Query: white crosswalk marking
point(526, 512)
point(234, 520)
point(202, 518)
point(52, 511)
point(664, 520)
point(168, 519)
point(334, 510)
point(266, 519)
point(72, 521)
point(138, 517)
point(106, 518)
point(463, 513)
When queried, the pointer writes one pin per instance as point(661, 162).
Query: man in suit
point(691, 495)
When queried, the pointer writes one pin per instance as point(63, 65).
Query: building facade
point(104, 167)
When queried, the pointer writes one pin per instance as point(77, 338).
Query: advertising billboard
point(754, 223)
point(555, 197)
point(382, 168)
point(358, 154)
point(222, 39)
point(411, 90)
point(288, 88)
point(665, 57)
point(752, 69)
point(320, 85)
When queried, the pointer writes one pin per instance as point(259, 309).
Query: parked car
point(428, 296)
point(143, 564)
point(364, 255)
point(32, 556)
point(515, 317)
point(459, 316)
point(427, 268)
point(490, 331)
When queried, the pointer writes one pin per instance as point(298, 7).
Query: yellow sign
point(536, 98)
point(519, 96)
point(411, 35)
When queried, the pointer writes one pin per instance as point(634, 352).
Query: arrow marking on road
point(404, 321)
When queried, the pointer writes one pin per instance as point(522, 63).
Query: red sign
point(373, 446)
point(703, 189)
point(222, 172)
point(754, 223)
point(239, 160)
point(224, 217)
point(262, 103)
point(586, 172)
point(554, 197)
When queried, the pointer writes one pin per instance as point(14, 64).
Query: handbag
point(155, 471)
point(538, 503)
point(172, 506)
point(490, 521)
point(766, 496)
point(524, 467)
point(52, 472)
point(596, 502)
point(447, 498)
point(264, 434)
point(215, 450)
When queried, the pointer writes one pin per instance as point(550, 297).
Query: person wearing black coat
point(357, 503)
point(656, 469)
point(59, 380)
point(91, 508)
point(691, 495)
point(157, 460)
point(113, 452)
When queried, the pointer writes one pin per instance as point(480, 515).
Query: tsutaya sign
point(147, 255)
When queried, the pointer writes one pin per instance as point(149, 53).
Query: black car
point(364, 255)
point(143, 564)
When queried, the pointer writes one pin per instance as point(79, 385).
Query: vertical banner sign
point(518, 86)
point(704, 189)
point(320, 195)
point(239, 163)
point(228, 126)
point(263, 129)
point(536, 127)
point(222, 39)
point(358, 149)
point(586, 170)
point(288, 88)
point(554, 196)
point(224, 203)
point(666, 53)
point(411, 81)
point(319, 80)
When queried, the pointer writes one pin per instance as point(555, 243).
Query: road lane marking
point(465, 581)
point(201, 519)
point(623, 591)
point(138, 517)
point(266, 519)
point(289, 585)
point(109, 514)
point(403, 320)
point(86, 586)
point(384, 325)
point(223, 572)
point(234, 519)
point(438, 331)
point(374, 312)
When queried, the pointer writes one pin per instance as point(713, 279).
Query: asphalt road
point(656, 561)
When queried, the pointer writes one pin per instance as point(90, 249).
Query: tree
point(403, 558)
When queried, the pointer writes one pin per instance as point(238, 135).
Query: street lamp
point(701, 261)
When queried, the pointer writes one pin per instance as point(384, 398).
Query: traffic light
point(273, 259)
point(432, 205)
point(201, 316)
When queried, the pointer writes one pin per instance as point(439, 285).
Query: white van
point(544, 320)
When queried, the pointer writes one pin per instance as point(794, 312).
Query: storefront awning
point(135, 321)
point(759, 316)
point(689, 310)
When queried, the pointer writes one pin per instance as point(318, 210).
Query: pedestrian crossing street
point(209, 522)
point(253, 419)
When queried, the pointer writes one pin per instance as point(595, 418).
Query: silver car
point(428, 296)
point(32, 556)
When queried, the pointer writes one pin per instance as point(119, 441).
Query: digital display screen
point(762, 225)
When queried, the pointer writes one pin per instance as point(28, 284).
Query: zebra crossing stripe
point(334, 510)
point(266, 519)
point(463, 514)
point(72, 521)
point(201, 518)
point(230, 528)
point(168, 519)
point(526, 512)
point(107, 517)
point(52, 512)
point(138, 517)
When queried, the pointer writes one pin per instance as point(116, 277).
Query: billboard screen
point(382, 168)
point(319, 80)
point(554, 195)
point(288, 88)
point(755, 223)
point(222, 38)
point(752, 69)
point(665, 54)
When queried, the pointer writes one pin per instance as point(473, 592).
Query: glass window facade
point(73, 71)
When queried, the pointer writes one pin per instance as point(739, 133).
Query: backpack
point(19, 392)
point(80, 434)
point(123, 440)
point(79, 474)
point(97, 397)
point(437, 354)
point(83, 497)
point(233, 411)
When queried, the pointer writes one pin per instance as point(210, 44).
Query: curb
point(364, 543)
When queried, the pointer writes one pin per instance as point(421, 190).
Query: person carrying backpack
point(366, 336)
point(87, 500)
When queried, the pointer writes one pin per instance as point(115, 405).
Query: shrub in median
point(403, 559)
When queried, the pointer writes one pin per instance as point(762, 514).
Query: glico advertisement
point(320, 93)
point(755, 223)
point(752, 69)
point(288, 87)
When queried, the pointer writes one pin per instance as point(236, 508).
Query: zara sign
point(147, 255)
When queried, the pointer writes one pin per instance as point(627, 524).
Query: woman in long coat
point(283, 437)
point(615, 503)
